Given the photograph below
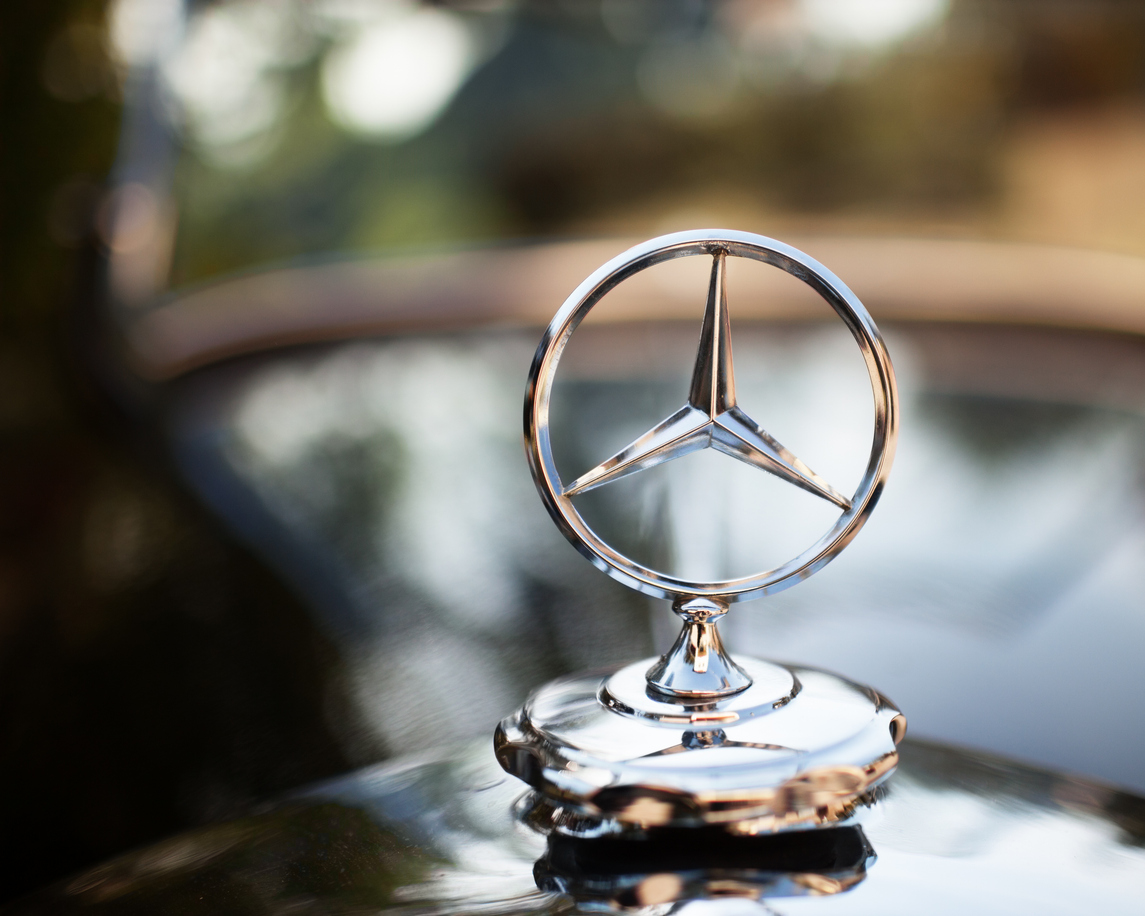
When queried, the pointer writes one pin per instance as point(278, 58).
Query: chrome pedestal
point(799, 748)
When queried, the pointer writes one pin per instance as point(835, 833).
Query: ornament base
point(800, 748)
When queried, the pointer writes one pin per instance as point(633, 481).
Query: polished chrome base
point(798, 748)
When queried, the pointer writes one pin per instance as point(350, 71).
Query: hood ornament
point(693, 737)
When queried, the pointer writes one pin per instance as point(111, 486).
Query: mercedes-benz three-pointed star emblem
point(764, 747)
point(710, 418)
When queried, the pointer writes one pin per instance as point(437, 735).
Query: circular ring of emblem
point(711, 418)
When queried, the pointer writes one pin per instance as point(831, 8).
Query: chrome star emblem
point(711, 418)
point(756, 735)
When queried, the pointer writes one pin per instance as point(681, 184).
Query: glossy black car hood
point(955, 833)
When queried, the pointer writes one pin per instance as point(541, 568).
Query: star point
point(711, 417)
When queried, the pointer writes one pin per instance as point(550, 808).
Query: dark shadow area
point(153, 674)
point(674, 864)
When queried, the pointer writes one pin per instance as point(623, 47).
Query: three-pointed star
point(711, 418)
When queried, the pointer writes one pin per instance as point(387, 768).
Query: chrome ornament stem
point(697, 666)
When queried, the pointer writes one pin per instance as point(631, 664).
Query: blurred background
point(271, 275)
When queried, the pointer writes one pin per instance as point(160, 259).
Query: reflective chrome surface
point(711, 417)
point(697, 666)
point(762, 748)
point(799, 748)
point(443, 834)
